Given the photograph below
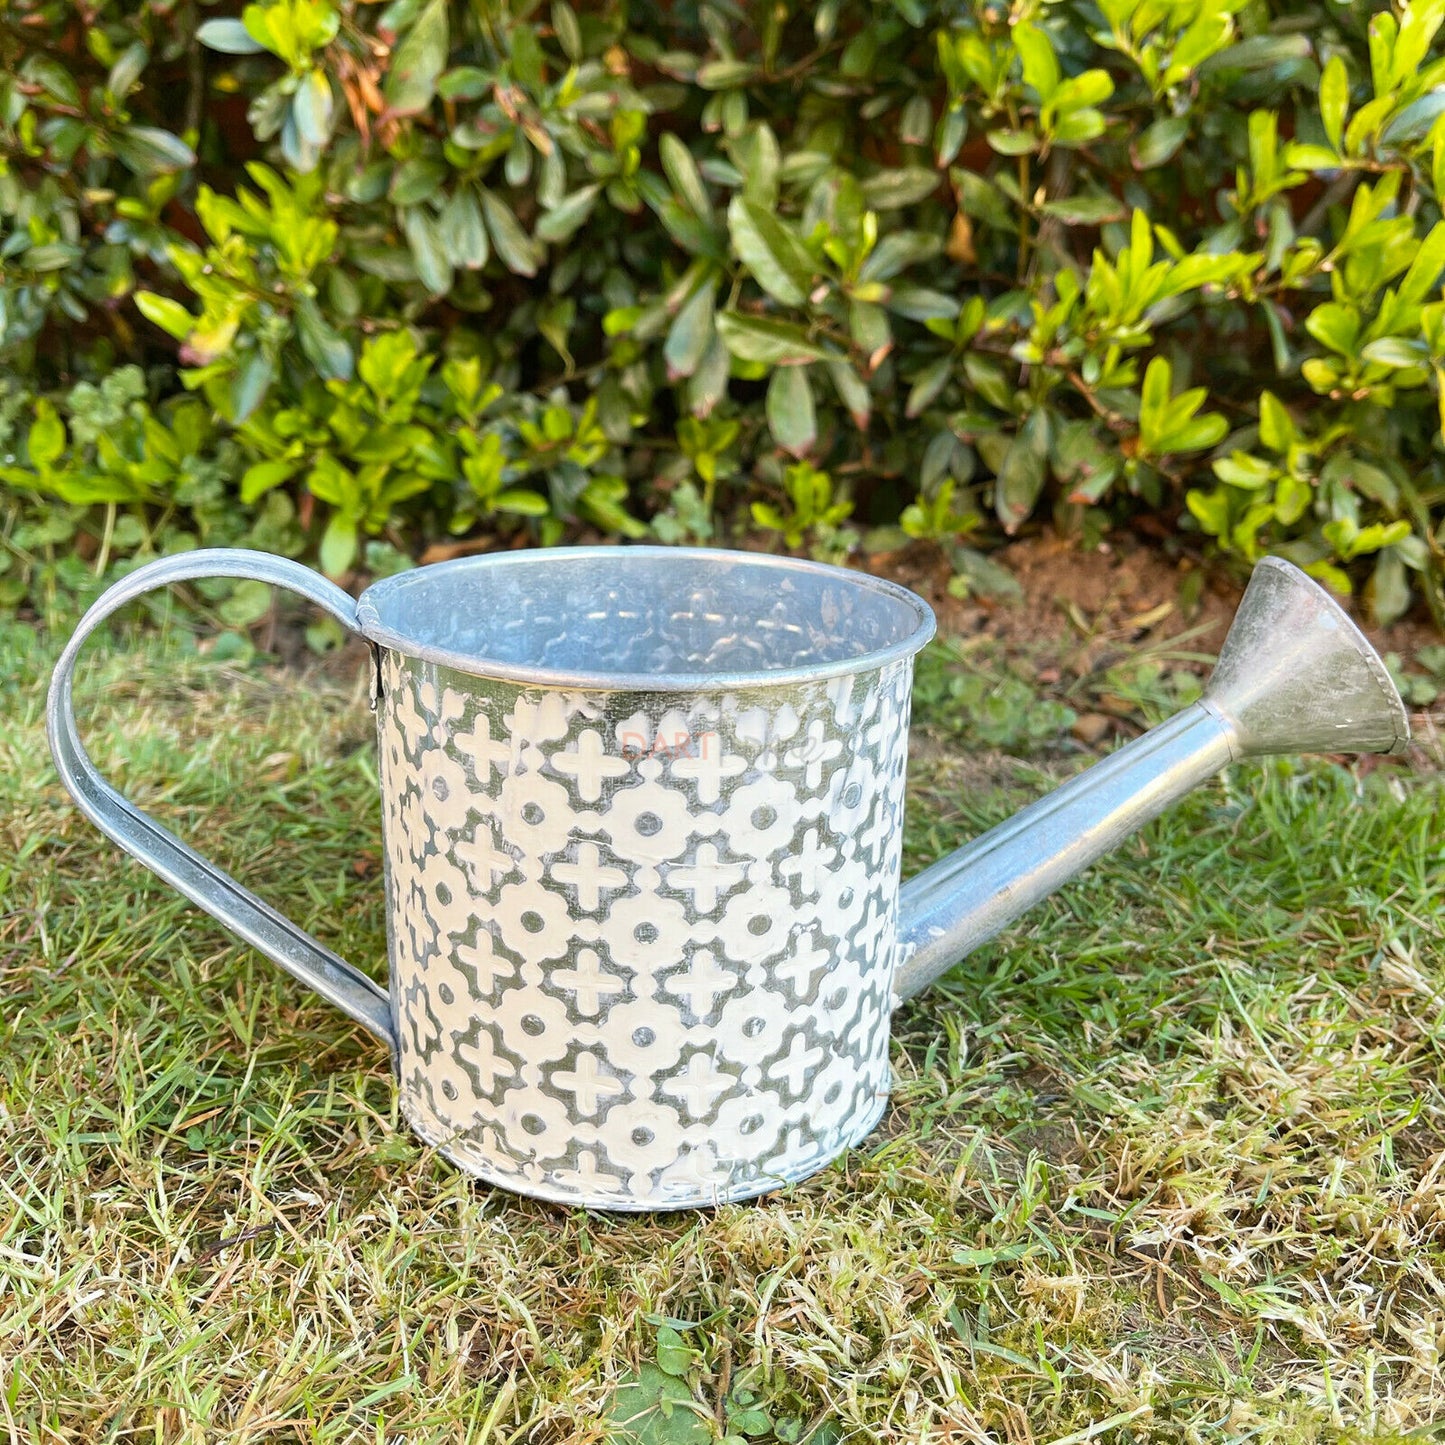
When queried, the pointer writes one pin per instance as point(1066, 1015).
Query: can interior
point(644, 616)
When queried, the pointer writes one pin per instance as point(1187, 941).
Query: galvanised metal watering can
point(643, 816)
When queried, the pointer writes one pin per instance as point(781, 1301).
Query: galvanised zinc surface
point(642, 943)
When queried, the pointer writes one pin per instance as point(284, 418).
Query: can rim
point(384, 596)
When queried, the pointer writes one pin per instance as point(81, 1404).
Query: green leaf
point(791, 417)
point(1389, 590)
point(674, 1355)
point(691, 333)
point(1322, 375)
point(980, 198)
point(1078, 127)
point(1276, 426)
point(329, 481)
point(151, 152)
point(250, 385)
point(1244, 471)
point(1040, 65)
point(750, 1422)
point(1335, 325)
point(1396, 352)
point(256, 21)
point(1013, 142)
point(1021, 477)
point(529, 61)
point(777, 260)
point(416, 180)
point(464, 82)
point(1424, 272)
point(1418, 25)
point(919, 303)
point(698, 238)
point(521, 503)
point(1335, 100)
point(338, 546)
point(949, 135)
point(433, 265)
point(52, 77)
point(1259, 52)
point(1160, 141)
point(603, 501)
point(1210, 510)
point(162, 311)
point(725, 74)
point(1086, 210)
point(852, 392)
point(127, 70)
point(774, 343)
point(929, 382)
point(1345, 470)
point(1292, 497)
point(1196, 434)
point(758, 157)
point(248, 603)
point(1084, 91)
point(568, 215)
point(53, 256)
point(987, 378)
point(389, 262)
point(460, 230)
point(567, 30)
point(890, 190)
point(262, 477)
point(418, 62)
point(709, 383)
point(1310, 158)
point(46, 443)
point(899, 250)
point(1154, 397)
point(230, 37)
point(314, 107)
point(684, 176)
point(516, 248)
point(324, 348)
point(915, 123)
point(654, 1408)
point(998, 1254)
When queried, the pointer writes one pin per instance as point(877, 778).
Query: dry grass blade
point(1167, 1163)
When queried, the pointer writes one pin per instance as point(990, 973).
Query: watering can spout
point(1295, 676)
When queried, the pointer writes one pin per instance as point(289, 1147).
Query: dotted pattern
point(642, 944)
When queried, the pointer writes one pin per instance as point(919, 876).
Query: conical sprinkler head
point(1297, 676)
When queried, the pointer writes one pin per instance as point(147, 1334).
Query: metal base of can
point(517, 1182)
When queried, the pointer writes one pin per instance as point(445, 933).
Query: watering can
point(642, 811)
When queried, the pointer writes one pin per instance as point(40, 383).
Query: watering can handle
point(183, 868)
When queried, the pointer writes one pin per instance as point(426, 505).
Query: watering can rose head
point(643, 815)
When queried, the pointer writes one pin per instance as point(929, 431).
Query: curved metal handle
point(183, 868)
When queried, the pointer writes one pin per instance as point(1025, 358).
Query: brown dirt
point(1126, 592)
point(1084, 610)
point(1081, 611)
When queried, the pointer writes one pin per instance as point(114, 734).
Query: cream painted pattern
point(642, 943)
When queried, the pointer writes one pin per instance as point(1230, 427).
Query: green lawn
point(1166, 1163)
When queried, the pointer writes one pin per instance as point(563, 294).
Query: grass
point(1166, 1163)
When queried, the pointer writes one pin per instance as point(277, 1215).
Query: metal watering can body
point(643, 819)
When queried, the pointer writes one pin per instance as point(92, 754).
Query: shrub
point(932, 267)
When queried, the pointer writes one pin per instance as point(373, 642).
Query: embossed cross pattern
point(641, 974)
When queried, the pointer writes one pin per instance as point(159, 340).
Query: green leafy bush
point(937, 267)
point(151, 478)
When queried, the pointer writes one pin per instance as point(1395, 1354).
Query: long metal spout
point(1295, 675)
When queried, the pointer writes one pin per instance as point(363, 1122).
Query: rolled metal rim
point(370, 622)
